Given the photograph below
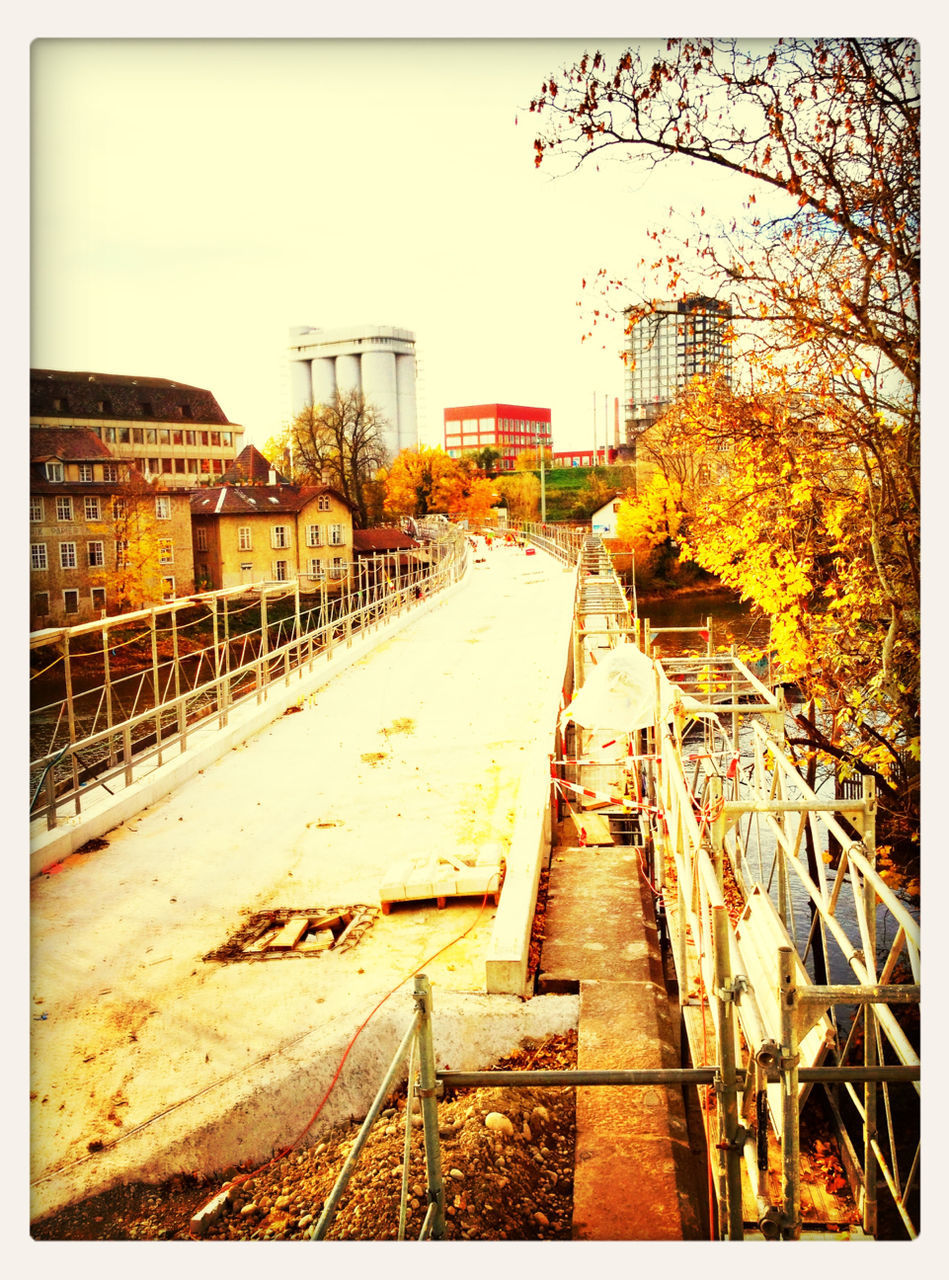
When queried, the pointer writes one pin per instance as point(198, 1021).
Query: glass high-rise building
point(669, 348)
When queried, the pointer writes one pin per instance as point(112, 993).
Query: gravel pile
point(507, 1161)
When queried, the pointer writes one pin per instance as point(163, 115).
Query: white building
point(376, 360)
point(603, 521)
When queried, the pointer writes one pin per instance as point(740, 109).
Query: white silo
point(379, 390)
point(324, 380)
point(405, 387)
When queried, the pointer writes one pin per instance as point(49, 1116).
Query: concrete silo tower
point(376, 360)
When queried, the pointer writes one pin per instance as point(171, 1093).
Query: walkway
point(146, 1057)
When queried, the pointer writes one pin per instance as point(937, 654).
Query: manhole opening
point(301, 932)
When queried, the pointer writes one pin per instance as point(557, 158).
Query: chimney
point(271, 476)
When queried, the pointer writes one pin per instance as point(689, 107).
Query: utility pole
point(543, 489)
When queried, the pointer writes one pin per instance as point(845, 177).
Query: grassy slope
point(565, 486)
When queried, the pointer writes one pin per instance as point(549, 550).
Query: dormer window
point(185, 410)
point(59, 404)
point(54, 472)
point(105, 406)
point(148, 409)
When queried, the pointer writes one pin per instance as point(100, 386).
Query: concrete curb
point(268, 1106)
point(49, 847)
point(508, 950)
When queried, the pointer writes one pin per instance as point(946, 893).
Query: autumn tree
point(421, 482)
point(648, 525)
point(819, 518)
point(141, 542)
point(521, 493)
point(340, 444)
point(530, 459)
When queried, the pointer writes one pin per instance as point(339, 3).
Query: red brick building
point(509, 428)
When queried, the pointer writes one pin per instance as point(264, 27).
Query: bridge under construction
point(488, 749)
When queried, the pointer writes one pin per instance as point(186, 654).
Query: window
point(180, 466)
point(216, 439)
point(280, 570)
point(59, 404)
point(244, 542)
point(71, 601)
point(201, 537)
point(338, 566)
point(121, 552)
point(98, 598)
point(316, 568)
point(177, 437)
point(104, 406)
point(118, 509)
point(96, 553)
point(110, 435)
point(226, 438)
point(124, 435)
point(246, 567)
point(323, 502)
point(167, 466)
point(151, 435)
point(166, 551)
point(38, 556)
point(64, 509)
point(167, 588)
point(110, 472)
point(314, 535)
point(41, 603)
point(36, 510)
point(54, 472)
point(336, 535)
point(85, 473)
point(189, 436)
point(164, 435)
point(185, 410)
point(147, 409)
point(67, 555)
point(138, 436)
point(92, 508)
point(280, 535)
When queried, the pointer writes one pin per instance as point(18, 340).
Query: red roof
point(68, 444)
point(367, 540)
point(258, 499)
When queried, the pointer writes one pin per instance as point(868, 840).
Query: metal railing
point(417, 1041)
point(116, 728)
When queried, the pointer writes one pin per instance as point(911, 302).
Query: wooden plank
point(291, 933)
point(319, 941)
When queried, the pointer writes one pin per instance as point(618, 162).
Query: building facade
point(168, 431)
point(101, 539)
point(669, 348)
point(509, 428)
point(271, 533)
point(375, 360)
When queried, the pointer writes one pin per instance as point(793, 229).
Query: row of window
point(95, 553)
point(71, 598)
point(91, 507)
point(281, 535)
point(86, 472)
point(165, 435)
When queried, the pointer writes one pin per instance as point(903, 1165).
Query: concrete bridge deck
point(145, 1057)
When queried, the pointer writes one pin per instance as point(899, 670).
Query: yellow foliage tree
point(421, 482)
point(648, 525)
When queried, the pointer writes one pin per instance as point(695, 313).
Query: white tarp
point(620, 692)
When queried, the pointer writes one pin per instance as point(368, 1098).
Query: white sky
point(193, 199)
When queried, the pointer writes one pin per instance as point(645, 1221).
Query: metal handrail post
point(790, 1129)
point(426, 1093)
point(726, 1085)
point(331, 1205)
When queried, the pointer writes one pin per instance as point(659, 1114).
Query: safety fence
point(127, 693)
point(751, 898)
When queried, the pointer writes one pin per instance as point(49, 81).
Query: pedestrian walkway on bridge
point(147, 1056)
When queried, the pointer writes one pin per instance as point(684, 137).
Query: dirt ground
point(499, 1185)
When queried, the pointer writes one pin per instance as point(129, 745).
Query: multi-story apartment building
point(101, 538)
point(667, 349)
point(250, 531)
point(509, 428)
point(168, 431)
